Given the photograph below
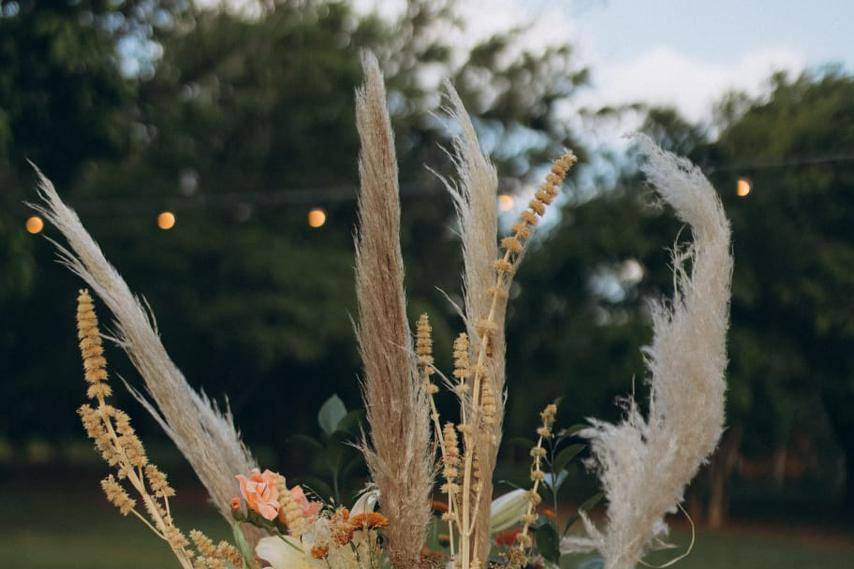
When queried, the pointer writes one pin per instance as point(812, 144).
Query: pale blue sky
point(718, 31)
point(682, 53)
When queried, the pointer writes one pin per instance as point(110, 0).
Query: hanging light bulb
point(166, 220)
point(316, 218)
point(505, 202)
point(34, 224)
point(743, 187)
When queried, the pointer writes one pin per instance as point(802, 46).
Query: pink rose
point(260, 492)
point(309, 509)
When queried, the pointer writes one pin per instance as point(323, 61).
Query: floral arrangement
point(644, 462)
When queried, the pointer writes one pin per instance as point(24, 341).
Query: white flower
point(366, 503)
point(507, 510)
point(282, 553)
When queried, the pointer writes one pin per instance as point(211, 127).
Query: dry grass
point(400, 454)
point(645, 463)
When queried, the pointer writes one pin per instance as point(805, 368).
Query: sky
point(684, 53)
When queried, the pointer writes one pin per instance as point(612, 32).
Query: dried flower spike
point(115, 438)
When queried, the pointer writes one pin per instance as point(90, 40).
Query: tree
point(795, 239)
point(243, 126)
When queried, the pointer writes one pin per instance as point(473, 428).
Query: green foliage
point(333, 456)
point(793, 239)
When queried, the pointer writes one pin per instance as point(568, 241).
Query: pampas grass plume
point(399, 454)
point(204, 434)
point(646, 462)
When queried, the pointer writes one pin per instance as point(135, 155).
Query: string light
point(316, 218)
point(34, 224)
point(166, 220)
point(505, 202)
point(743, 187)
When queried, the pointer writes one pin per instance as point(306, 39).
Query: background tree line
point(241, 124)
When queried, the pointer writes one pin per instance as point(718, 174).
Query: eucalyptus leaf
point(331, 414)
point(573, 430)
point(352, 467)
point(566, 455)
point(350, 422)
point(306, 441)
point(555, 481)
point(586, 506)
point(510, 483)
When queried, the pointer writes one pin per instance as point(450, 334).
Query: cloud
point(664, 76)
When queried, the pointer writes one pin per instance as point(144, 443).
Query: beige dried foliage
point(475, 196)
point(646, 462)
point(399, 453)
point(202, 432)
point(111, 431)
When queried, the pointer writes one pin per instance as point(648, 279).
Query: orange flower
point(369, 520)
point(339, 526)
point(319, 551)
point(235, 504)
point(508, 537)
point(260, 492)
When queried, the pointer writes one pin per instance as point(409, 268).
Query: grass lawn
point(67, 525)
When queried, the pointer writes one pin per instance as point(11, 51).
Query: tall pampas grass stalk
point(645, 463)
point(475, 197)
point(399, 453)
point(203, 432)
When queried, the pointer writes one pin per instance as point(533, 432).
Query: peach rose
point(260, 492)
point(309, 509)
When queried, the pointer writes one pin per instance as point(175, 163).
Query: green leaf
point(555, 481)
point(566, 455)
point(352, 466)
point(591, 502)
point(330, 414)
point(351, 421)
point(547, 543)
point(511, 484)
point(573, 430)
point(586, 506)
point(306, 441)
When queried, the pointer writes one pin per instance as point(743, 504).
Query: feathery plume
point(487, 373)
point(399, 455)
point(475, 199)
point(476, 202)
point(645, 463)
point(205, 435)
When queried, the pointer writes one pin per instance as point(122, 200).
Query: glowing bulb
point(316, 218)
point(34, 224)
point(166, 220)
point(743, 187)
point(505, 202)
